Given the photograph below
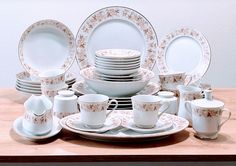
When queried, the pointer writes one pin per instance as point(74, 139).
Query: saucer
point(161, 125)
point(18, 128)
point(74, 122)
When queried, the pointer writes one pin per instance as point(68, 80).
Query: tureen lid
point(208, 101)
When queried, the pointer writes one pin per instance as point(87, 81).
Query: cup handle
point(163, 108)
point(110, 111)
point(229, 115)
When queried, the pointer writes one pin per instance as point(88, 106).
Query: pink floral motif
point(41, 119)
point(164, 44)
point(208, 113)
point(191, 96)
point(94, 107)
point(111, 13)
point(145, 106)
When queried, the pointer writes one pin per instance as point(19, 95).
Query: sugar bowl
point(65, 103)
point(207, 115)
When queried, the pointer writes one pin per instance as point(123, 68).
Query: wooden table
point(69, 147)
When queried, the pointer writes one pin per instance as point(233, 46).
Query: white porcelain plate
point(125, 135)
point(116, 27)
point(161, 125)
point(185, 50)
point(46, 45)
point(74, 122)
point(18, 128)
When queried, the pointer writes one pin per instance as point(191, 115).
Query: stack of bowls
point(117, 73)
point(117, 63)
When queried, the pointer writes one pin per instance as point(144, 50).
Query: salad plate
point(184, 46)
point(18, 128)
point(121, 134)
point(74, 122)
point(116, 27)
point(46, 45)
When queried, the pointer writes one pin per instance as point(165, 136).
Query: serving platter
point(126, 135)
point(46, 45)
point(184, 46)
point(116, 27)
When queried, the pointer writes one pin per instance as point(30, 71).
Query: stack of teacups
point(52, 81)
point(112, 64)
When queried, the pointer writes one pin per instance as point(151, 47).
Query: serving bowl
point(118, 89)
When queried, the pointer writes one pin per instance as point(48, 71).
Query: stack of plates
point(117, 62)
point(26, 85)
point(124, 103)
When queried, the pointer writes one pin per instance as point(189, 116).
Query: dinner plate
point(74, 122)
point(18, 128)
point(116, 27)
point(184, 50)
point(46, 45)
point(161, 125)
point(28, 91)
point(125, 135)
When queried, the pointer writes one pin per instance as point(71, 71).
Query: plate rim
point(58, 26)
point(150, 59)
point(195, 35)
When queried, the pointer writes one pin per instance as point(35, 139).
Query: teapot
point(206, 115)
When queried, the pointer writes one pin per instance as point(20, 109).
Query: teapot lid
point(208, 101)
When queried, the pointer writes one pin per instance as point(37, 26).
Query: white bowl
point(116, 72)
point(118, 89)
point(118, 54)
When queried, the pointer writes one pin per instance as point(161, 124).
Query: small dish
point(161, 125)
point(74, 122)
point(18, 128)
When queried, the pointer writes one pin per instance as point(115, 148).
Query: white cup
point(147, 109)
point(38, 118)
point(187, 93)
point(65, 104)
point(93, 109)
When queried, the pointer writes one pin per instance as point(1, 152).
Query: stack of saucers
point(27, 86)
point(118, 64)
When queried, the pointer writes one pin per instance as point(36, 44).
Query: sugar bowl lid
point(208, 101)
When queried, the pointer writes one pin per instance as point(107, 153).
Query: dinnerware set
point(117, 100)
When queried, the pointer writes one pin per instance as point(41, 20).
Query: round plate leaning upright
point(46, 45)
point(184, 50)
point(116, 27)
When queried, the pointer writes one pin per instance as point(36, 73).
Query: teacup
point(52, 78)
point(51, 82)
point(170, 81)
point(65, 104)
point(93, 109)
point(38, 118)
point(187, 93)
point(147, 109)
point(207, 115)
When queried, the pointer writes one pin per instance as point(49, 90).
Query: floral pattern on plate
point(116, 13)
point(74, 122)
point(198, 72)
point(44, 24)
point(124, 135)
